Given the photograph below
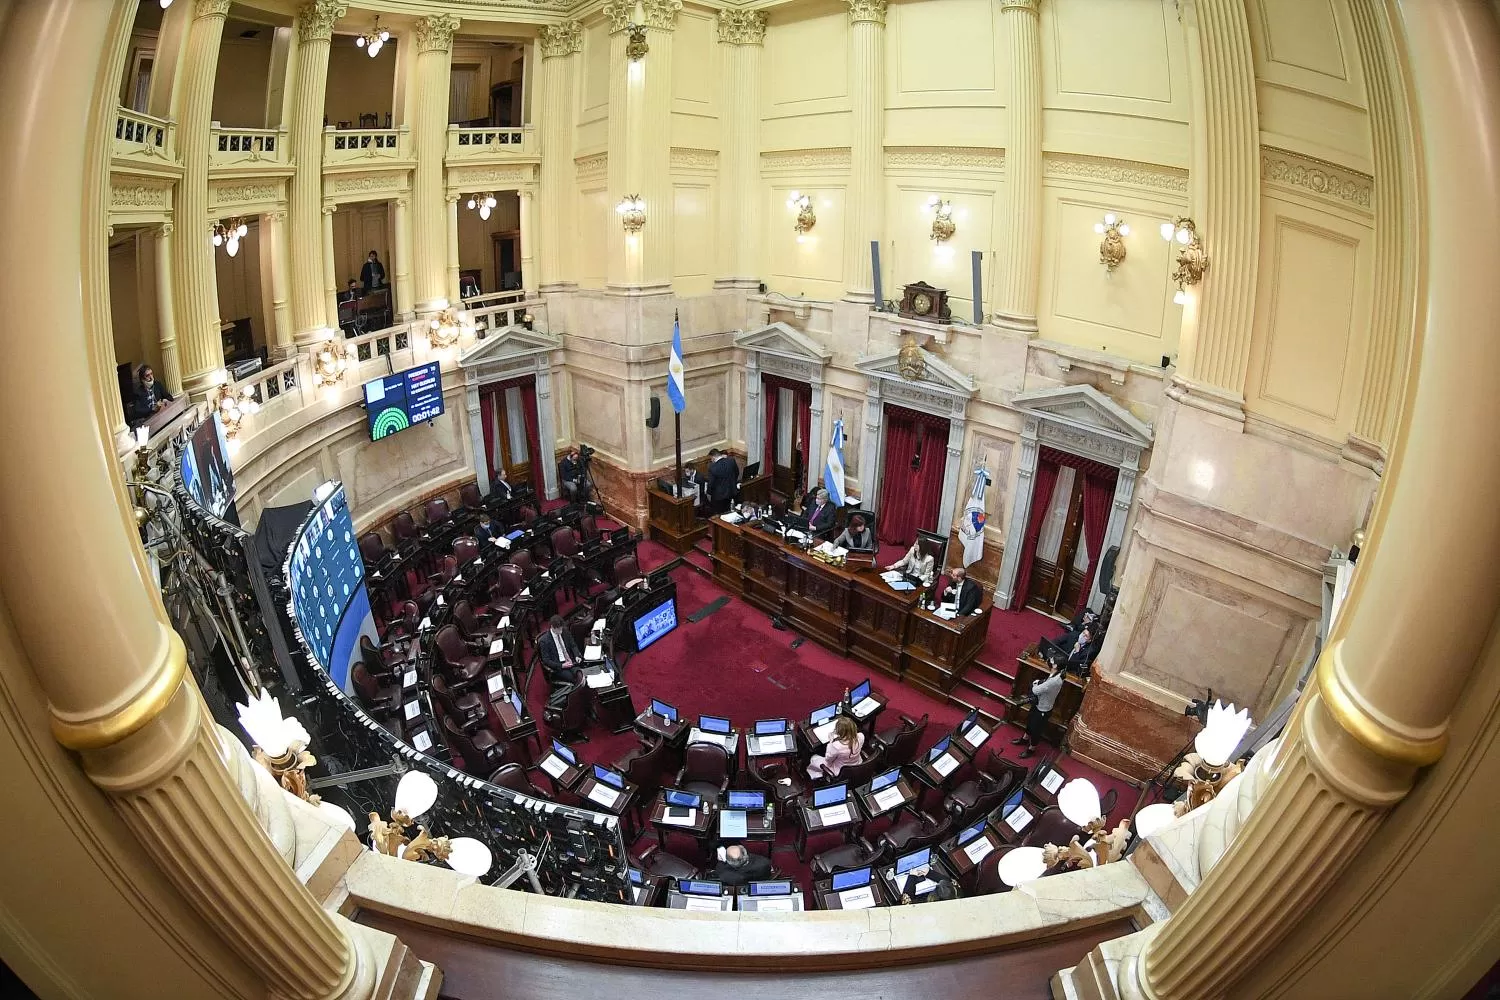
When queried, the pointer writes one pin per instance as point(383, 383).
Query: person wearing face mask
point(149, 396)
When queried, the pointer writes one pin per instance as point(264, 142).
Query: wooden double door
point(1062, 556)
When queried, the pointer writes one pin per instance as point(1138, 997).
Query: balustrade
point(142, 136)
point(491, 143)
point(353, 145)
point(244, 146)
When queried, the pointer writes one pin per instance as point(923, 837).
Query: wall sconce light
point(165, 4)
point(942, 219)
point(632, 209)
point(373, 40)
point(280, 744)
point(482, 203)
point(806, 218)
point(229, 236)
point(1208, 769)
point(329, 364)
point(1112, 248)
point(445, 328)
point(234, 405)
point(1192, 261)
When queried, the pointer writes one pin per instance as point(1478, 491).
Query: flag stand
point(677, 423)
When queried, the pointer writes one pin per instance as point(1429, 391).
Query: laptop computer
point(747, 801)
point(832, 795)
point(770, 727)
point(916, 859)
point(967, 835)
point(563, 752)
point(699, 887)
point(885, 780)
point(680, 803)
point(611, 778)
point(823, 714)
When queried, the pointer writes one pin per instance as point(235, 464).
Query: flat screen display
point(713, 724)
point(848, 880)
point(824, 714)
point(885, 780)
point(206, 474)
point(860, 693)
point(696, 887)
point(563, 752)
point(609, 777)
point(938, 749)
point(664, 710)
point(326, 577)
point(748, 801)
point(970, 833)
point(654, 624)
point(828, 796)
point(778, 888)
point(916, 859)
point(395, 402)
point(770, 727)
point(685, 800)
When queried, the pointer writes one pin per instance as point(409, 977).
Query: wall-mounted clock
point(922, 301)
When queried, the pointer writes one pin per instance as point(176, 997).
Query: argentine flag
point(971, 525)
point(675, 385)
point(833, 469)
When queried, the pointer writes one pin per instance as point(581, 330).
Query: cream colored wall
point(476, 246)
point(358, 84)
point(696, 104)
point(591, 90)
point(240, 81)
point(238, 279)
point(125, 306)
point(358, 229)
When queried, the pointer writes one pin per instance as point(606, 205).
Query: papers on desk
point(857, 899)
point(795, 535)
point(889, 798)
point(702, 903)
point(946, 613)
point(901, 586)
point(732, 518)
point(443, 600)
point(503, 542)
point(498, 646)
point(834, 815)
point(945, 764)
point(422, 741)
point(554, 765)
point(600, 625)
point(1020, 817)
point(409, 679)
point(457, 579)
point(495, 683)
point(822, 732)
point(771, 744)
point(732, 824)
point(1053, 781)
point(775, 904)
point(604, 795)
point(977, 850)
point(426, 623)
point(691, 819)
point(619, 602)
point(923, 887)
point(602, 679)
point(636, 892)
point(831, 550)
point(975, 735)
point(865, 707)
point(593, 653)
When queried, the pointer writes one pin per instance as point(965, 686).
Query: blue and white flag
point(971, 525)
point(833, 469)
point(676, 388)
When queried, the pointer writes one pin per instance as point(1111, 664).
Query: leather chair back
point(445, 703)
point(565, 542)
point(463, 617)
point(523, 561)
point(404, 527)
point(625, 569)
point(871, 763)
point(528, 514)
point(508, 581)
point(371, 547)
point(369, 655)
point(588, 526)
point(705, 762)
point(645, 767)
point(986, 878)
point(436, 511)
point(411, 617)
point(576, 711)
point(365, 685)
point(459, 740)
point(513, 776)
point(1050, 827)
point(465, 548)
point(902, 750)
point(450, 645)
point(469, 496)
point(446, 571)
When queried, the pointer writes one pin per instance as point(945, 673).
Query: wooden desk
point(873, 809)
point(961, 860)
point(705, 824)
point(622, 805)
point(613, 707)
point(824, 898)
point(756, 491)
point(759, 829)
point(650, 892)
point(1029, 668)
point(565, 779)
point(674, 733)
point(755, 748)
point(671, 520)
point(1014, 825)
point(812, 822)
point(849, 608)
point(520, 730)
point(1044, 784)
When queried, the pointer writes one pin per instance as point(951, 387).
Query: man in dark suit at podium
point(723, 477)
point(820, 514)
point(961, 591)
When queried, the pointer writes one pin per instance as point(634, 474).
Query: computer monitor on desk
point(714, 724)
point(609, 777)
point(770, 727)
point(665, 711)
point(564, 753)
point(748, 801)
point(778, 887)
point(832, 795)
point(938, 749)
point(859, 692)
point(851, 879)
point(751, 471)
point(699, 887)
point(916, 859)
point(885, 780)
point(824, 714)
point(677, 798)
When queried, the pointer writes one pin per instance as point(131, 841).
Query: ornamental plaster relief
point(228, 196)
point(510, 176)
point(867, 10)
point(658, 14)
point(742, 27)
point(562, 39)
point(1316, 177)
point(591, 167)
point(806, 159)
point(137, 196)
point(976, 157)
point(1100, 168)
point(435, 32)
point(356, 187)
point(694, 159)
point(315, 20)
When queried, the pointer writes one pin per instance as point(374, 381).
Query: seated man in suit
point(351, 292)
point(570, 474)
point(915, 563)
point(961, 591)
point(723, 480)
point(148, 396)
point(560, 653)
point(820, 514)
point(1075, 651)
point(485, 530)
point(857, 536)
point(739, 867)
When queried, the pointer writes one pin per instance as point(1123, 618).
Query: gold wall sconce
point(1079, 801)
point(482, 203)
point(806, 218)
point(632, 209)
point(1192, 261)
point(330, 363)
point(445, 328)
point(229, 236)
point(943, 227)
point(1112, 248)
point(234, 404)
point(280, 744)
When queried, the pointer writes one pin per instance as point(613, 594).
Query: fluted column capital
point(211, 8)
point(742, 27)
point(435, 32)
point(315, 20)
point(1026, 6)
point(872, 11)
point(658, 14)
point(562, 39)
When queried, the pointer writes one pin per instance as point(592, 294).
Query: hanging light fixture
point(373, 40)
point(484, 203)
point(229, 236)
point(165, 4)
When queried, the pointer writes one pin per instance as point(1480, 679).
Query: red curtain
point(770, 396)
point(533, 433)
point(1043, 482)
point(911, 476)
point(1098, 495)
point(487, 432)
point(804, 424)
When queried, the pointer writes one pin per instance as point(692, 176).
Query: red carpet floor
point(733, 663)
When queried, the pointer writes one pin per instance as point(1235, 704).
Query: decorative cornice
point(561, 39)
point(1317, 177)
point(315, 20)
point(1134, 172)
point(742, 27)
point(984, 158)
point(658, 14)
point(1029, 6)
point(683, 158)
point(434, 33)
point(866, 10)
point(591, 165)
point(141, 195)
point(211, 8)
point(806, 159)
point(222, 193)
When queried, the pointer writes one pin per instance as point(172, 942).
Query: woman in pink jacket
point(843, 749)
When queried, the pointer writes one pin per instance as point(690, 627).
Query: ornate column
point(755, 420)
point(1224, 190)
point(274, 244)
point(953, 473)
point(1388, 682)
point(433, 39)
point(310, 317)
point(450, 249)
point(742, 34)
point(559, 43)
point(166, 321)
point(817, 449)
point(1020, 513)
point(476, 436)
point(401, 265)
point(869, 445)
point(546, 427)
point(864, 210)
point(200, 346)
point(529, 281)
point(1019, 278)
point(330, 267)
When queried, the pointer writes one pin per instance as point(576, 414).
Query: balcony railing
point(490, 143)
point(142, 136)
point(355, 145)
point(240, 147)
point(498, 313)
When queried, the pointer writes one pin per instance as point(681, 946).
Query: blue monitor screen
point(515, 702)
point(860, 693)
point(688, 800)
point(848, 880)
point(609, 777)
point(326, 578)
point(697, 887)
point(781, 888)
point(939, 749)
point(713, 724)
point(636, 876)
point(656, 623)
point(916, 859)
point(970, 833)
point(828, 796)
point(824, 714)
point(747, 800)
point(1012, 802)
point(969, 720)
point(664, 710)
point(395, 402)
point(564, 752)
point(513, 535)
point(770, 727)
point(885, 780)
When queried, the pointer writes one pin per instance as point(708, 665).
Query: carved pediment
point(937, 374)
point(1086, 409)
point(784, 341)
point(512, 343)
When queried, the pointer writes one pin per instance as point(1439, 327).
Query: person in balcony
point(372, 275)
point(149, 395)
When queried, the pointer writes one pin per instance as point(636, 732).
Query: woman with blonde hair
point(845, 747)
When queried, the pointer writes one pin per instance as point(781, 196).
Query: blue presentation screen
point(395, 402)
point(326, 577)
point(655, 623)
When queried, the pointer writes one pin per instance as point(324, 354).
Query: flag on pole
point(971, 525)
point(676, 388)
point(833, 469)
